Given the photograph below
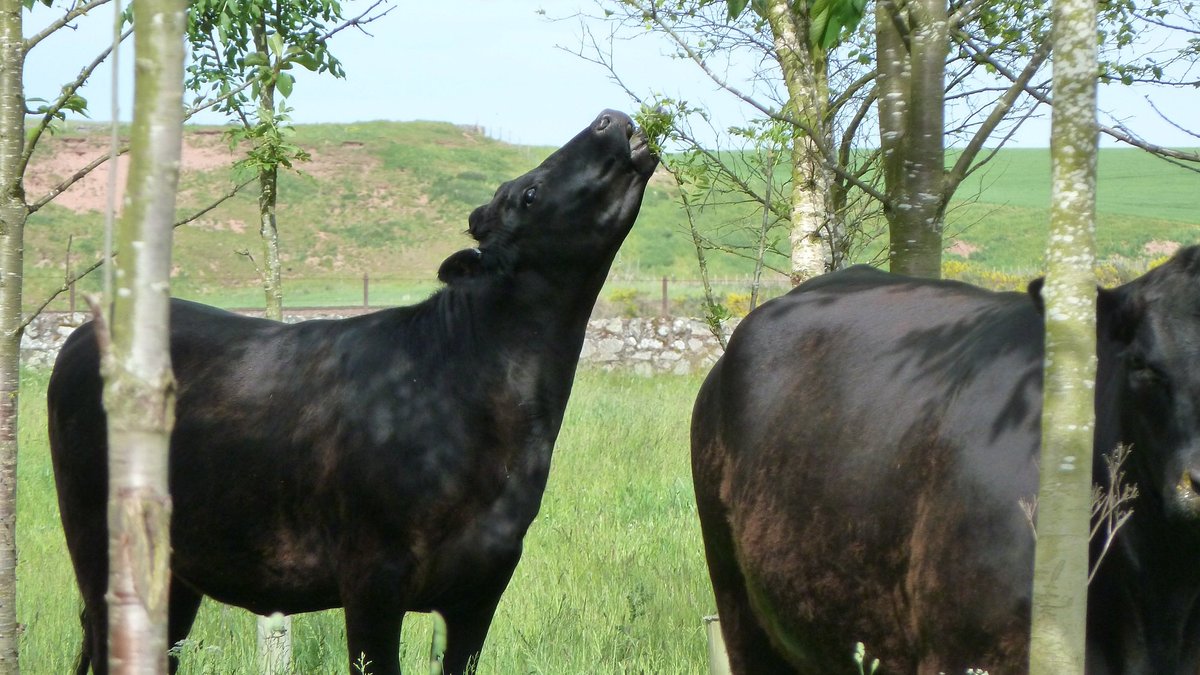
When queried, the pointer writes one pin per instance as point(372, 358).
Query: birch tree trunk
point(816, 238)
point(13, 213)
point(911, 45)
point(139, 395)
point(1065, 492)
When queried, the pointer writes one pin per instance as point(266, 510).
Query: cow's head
point(1150, 333)
point(573, 210)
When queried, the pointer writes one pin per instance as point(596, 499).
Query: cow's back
point(888, 426)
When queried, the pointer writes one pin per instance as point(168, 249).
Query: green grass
point(612, 579)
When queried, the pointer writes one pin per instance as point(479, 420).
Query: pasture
point(612, 579)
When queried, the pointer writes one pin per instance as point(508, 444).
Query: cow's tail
point(85, 652)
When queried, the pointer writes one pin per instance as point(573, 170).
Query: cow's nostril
point(604, 122)
point(629, 130)
point(1194, 474)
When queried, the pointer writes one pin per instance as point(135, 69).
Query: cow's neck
point(527, 328)
point(1152, 583)
point(525, 332)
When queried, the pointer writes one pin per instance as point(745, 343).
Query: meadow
point(612, 579)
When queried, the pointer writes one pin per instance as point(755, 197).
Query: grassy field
point(612, 579)
point(1004, 209)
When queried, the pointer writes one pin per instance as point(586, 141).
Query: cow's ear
point(1118, 313)
point(464, 264)
point(1035, 294)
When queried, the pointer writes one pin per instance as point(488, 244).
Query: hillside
point(390, 200)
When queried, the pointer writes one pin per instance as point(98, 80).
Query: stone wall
point(645, 346)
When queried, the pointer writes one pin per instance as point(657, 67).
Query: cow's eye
point(1142, 374)
point(530, 195)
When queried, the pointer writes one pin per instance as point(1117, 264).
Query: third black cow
point(862, 449)
point(383, 463)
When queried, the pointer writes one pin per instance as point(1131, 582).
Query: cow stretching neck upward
point(385, 463)
point(862, 450)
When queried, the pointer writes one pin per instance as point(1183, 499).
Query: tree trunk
point(268, 182)
point(815, 235)
point(1065, 492)
point(139, 395)
point(13, 213)
point(274, 632)
point(911, 43)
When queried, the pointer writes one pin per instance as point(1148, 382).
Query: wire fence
point(623, 295)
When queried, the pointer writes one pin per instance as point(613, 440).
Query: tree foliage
point(244, 52)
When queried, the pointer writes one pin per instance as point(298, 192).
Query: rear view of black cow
point(862, 451)
point(384, 463)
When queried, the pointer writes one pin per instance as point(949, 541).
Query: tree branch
point(73, 179)
point(1117, 133)
point(71, 280)
point(829, 159)
point(999, 113)
point(68, 91)
point(62, 21)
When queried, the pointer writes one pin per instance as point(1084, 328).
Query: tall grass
point(612, 579)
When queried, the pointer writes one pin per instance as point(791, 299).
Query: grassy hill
point(1004, 209)
point(391, 200)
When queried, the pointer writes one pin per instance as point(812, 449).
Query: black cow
point(861, 451)
point(385, 463)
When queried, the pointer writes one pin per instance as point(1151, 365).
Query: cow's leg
point(750, 650)
point(466, 629)
point(184, 604)
point(373, 640)
point(86, 530)
point(95, 630)
point(467, 622)
point(373, 633)
point(85, 652)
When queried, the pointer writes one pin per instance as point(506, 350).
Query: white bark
point(1064, 495)
point(814, 235)
point(138, 390)
point(13, 213)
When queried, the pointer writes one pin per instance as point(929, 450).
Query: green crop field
point(612, 579)
point(1004, 209)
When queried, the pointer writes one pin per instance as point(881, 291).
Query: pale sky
point(496, 63)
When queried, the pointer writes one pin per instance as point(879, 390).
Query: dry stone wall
point(644, 345)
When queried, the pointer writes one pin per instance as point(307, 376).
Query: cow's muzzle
point(1187, 493)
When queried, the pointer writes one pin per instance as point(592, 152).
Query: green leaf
point(829, 20)
point(735, 8)
point(308, 61)
point(284, 84)
point(255, 60)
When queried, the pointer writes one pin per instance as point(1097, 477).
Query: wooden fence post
point(274, 644)
point(718, 658)
point(666, 307)
point(366, 291)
